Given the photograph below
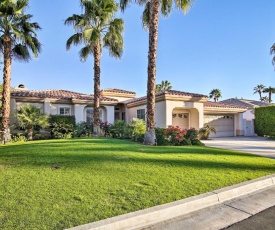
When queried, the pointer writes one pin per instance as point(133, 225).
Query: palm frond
point(75, 39)
point(113, 39)
point(166, 6)
point(184, 5)
point(146, 16)
point(21, 53)
point(85, 51)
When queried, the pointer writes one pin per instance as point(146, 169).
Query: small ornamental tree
point(29, 116)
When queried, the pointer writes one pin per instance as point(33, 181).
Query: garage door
point(223, 123)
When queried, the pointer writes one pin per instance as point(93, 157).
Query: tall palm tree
point(272, 52)
point(216, 94)
point(150, 19)
point(97, 28)
point(270, 90)
point(164, 85)
point(18, 39)
point(259, 89)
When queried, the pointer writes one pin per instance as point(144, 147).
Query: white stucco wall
point(160, 114)
point(249, 115)
point(110, 111)
point(132, 112)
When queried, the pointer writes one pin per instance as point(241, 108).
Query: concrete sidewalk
point(222, 215)
point(255, 145)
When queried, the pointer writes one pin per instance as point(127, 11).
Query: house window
point(90, 115)
point(123, 116)
point(141, 114)
point(65, 111)
point(116, 115)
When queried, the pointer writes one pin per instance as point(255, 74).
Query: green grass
point(58, 184)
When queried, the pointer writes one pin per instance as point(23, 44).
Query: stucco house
point(177, 108)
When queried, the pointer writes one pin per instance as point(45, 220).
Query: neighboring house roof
point(56, 94)
point(118, 91)
point(168, 93)
point(223, 105)
point(245, 102)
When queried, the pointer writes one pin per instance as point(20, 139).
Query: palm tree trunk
point(269, 97)
point(30, 133)
point(150, 136)
point(5, 128)
point(260, 93)
point(96, 122)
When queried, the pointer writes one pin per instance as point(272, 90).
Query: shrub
point(19, 137)
point(160, 136)
point(197, 142)
point(61, 126)
point(119, 129)
point(83, 129)
point(105, 129)
point(61, 130)
point(62, 119)
point(191, 134)
point(186, 142)
point(265, 121)
point(175, 135)
point(137, 128)
point(205, 131)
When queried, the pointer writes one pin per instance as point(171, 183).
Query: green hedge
point(265, 121)
point(62, 119)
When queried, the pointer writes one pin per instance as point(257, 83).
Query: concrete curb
point(168, 211)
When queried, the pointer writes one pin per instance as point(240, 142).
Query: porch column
point(168, 114)
point(47, 107)
point(199, 107)
point(79, 112)
point(110, 110)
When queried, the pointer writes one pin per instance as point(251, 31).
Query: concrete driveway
point(254, 145)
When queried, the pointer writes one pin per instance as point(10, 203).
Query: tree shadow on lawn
point(78, 160)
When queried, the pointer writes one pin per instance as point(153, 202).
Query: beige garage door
point(223, 123)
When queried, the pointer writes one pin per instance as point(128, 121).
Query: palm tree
point(17, 41)
point(272, 52)
point(165, 85)
point(29, 116)
point(259, 89)
point(97, 28)
point(205, 131)
point(270, 90)
point(265, 99)
point(150, 19)
point(216, 94)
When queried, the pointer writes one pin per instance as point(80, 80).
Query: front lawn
point(56, 184)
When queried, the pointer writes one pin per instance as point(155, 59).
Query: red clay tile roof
point(180, 93)
point(117, 91)
point(56, 94)
point(222, 105)
point(167, 92)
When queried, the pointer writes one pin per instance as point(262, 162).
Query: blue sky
point(218, 44)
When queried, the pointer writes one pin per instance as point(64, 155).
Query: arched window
point(90, 114)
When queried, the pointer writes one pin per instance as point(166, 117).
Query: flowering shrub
point(175, 134)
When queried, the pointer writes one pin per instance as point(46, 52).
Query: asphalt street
point(264, 220)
